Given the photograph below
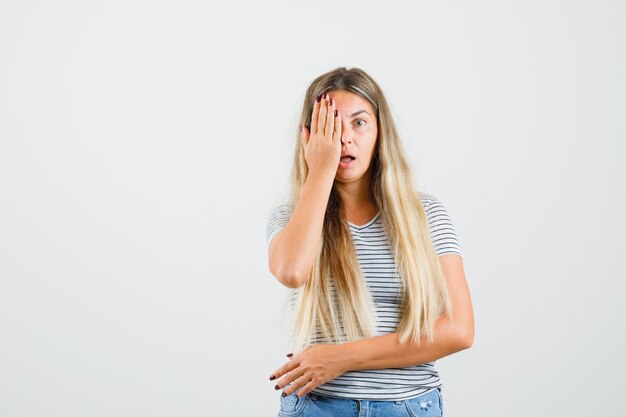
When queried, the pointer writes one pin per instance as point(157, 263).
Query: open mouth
point(346, 161)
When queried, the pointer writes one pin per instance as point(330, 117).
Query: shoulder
point(435, 209)
point(442, 229)
point(279, 211)
point(430, 202)
point(426, 198)
point(276, 220)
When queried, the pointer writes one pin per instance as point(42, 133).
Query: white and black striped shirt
point(383, 281)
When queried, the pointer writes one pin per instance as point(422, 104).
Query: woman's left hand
point(312, 367)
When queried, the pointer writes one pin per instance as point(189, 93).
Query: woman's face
point(359, 132)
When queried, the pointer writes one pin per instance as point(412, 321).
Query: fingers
point(297, 383)
point(330, 116)
point(322, 112)
point(323, 119)
point(307, 388)
point(315, 115)
point(290, 377)
point(337, 130)
point(285, 369)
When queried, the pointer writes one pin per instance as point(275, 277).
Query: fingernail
point(318, 98)
point(276, 387)
point(289, 355)
point(324, 96)
point(336, 112)
point(272, 377)
point(284, 394)
point(330, 102)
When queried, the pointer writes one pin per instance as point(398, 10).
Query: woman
point(378, 290)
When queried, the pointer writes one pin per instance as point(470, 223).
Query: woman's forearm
point(292, 251)
point(385, 351)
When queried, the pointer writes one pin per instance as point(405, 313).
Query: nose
point(345, 136)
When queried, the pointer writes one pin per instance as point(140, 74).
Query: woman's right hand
point(322, 145)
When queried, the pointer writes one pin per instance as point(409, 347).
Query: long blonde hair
point(335, 298)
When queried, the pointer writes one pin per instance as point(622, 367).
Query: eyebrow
point(359, 112)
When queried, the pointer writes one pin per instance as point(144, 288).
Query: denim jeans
point(314, 405)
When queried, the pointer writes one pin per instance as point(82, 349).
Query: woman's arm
point(292, 251)
point(321, 363)
point(451, 334)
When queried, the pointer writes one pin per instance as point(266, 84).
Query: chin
point(347, 177)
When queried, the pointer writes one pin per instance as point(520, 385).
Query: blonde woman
point(374, 269)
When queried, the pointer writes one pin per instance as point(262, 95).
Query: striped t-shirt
point(383, 281)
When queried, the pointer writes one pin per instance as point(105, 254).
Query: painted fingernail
point(324, 96)
point(318, 98)
point(276, 387)
point(289, 355)
point(336, 112)
point(330, 102)
point(272, 377)
point(284, 393)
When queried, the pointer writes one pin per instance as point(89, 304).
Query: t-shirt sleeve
point(276, 221)
point(442, 231)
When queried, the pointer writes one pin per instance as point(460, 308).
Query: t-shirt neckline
point(363, 226)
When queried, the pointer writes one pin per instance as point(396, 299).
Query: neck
point(357, 196)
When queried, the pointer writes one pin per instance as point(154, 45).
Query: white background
point(142, 144)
